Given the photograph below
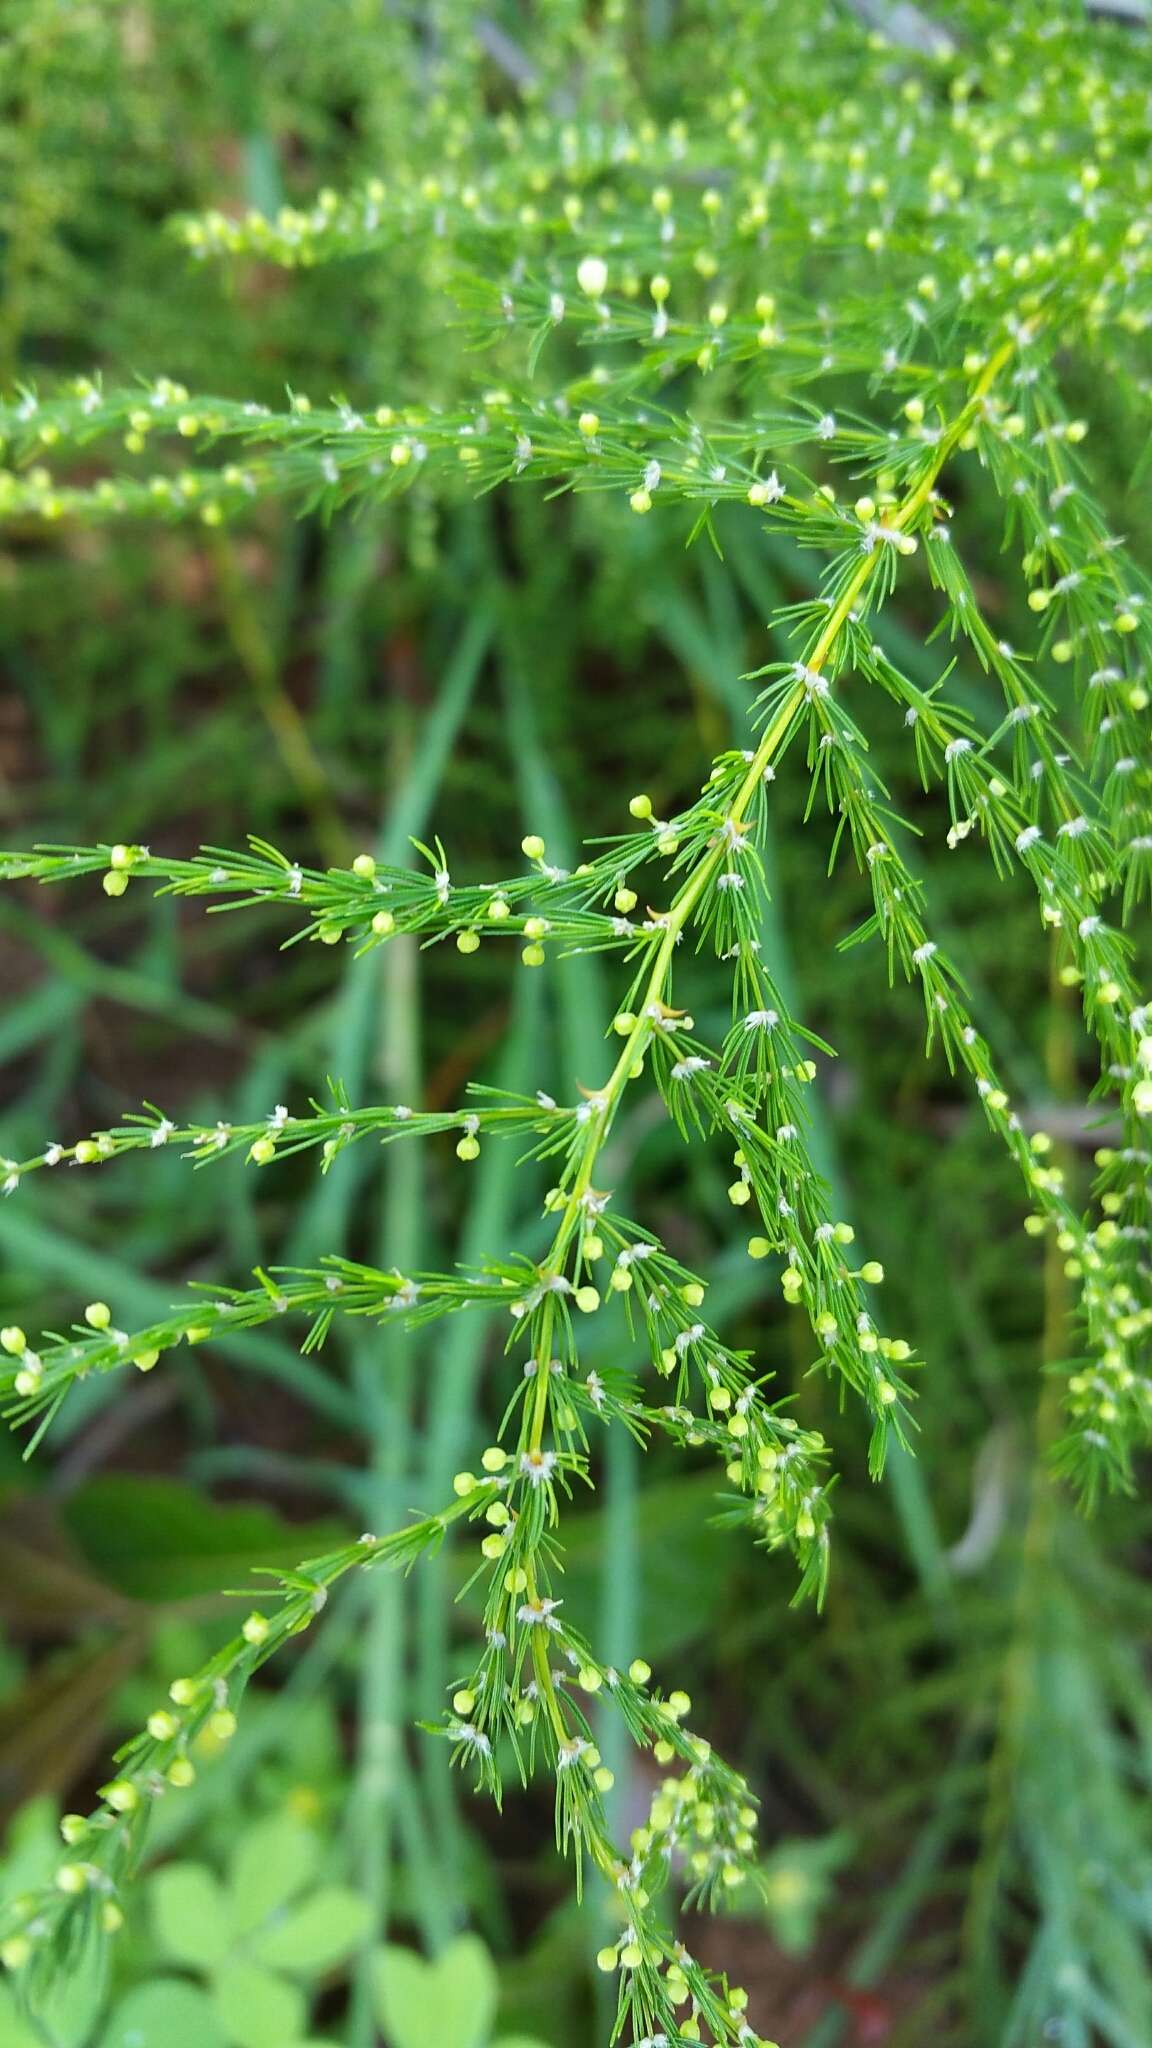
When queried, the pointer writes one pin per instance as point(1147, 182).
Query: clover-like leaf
point(459, 1988)
point(316, 1934)
point(258, 2008)
point(168, 2012)
point(273, 1860)
point(190, 1916)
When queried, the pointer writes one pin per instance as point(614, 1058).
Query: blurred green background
point(953, 1758)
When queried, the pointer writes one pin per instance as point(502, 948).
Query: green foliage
point(167, 2009)
point(262, 1937)
point(798, 1882)
point(861, 310)
point(459, 1988)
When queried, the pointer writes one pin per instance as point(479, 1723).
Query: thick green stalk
point(383, 1782)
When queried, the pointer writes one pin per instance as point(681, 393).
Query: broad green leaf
point(14, 2032)
point(466, 1991)
point(315, 1935)
point(455, 1995)
point(274, 1859)
point(190, 1917)
point(403, 1984)
point(682, 1559)
point(31, 1847)
point(167, 2013)
point(258, 2009)
point(155, 1539)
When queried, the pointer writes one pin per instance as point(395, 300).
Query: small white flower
point(539, 1613)
point(470, 1737)
point(761, 1020)
point(538, 1466)
point(684, 1339)
point(924, 953)
point(815, 685)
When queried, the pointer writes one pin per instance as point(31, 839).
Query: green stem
point(680, 916)
point(383, 1795)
